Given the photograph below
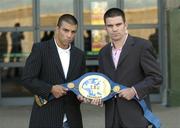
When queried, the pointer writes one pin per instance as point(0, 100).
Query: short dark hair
point(67, 18)
point(113, 12)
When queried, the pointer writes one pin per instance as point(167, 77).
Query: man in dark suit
point(129, 61)
point(50, 64)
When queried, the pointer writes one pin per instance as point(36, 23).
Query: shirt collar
point(61, 49)
point(112, 44)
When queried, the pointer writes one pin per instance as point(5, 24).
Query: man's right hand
point(97, 102)
point(83, 99)
point(58, 91)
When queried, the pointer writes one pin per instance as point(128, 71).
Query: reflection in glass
point(87, 40)
point(11, 85)
point(95, 9)
point(47, 35)
point(15, 46)
point(149, 34)
point(100, 39)
point(141, 11)
point(94, 40)
point(12, 11)
point(154, 39)
point(3, 46)
point(16, 49)
point(50, 10)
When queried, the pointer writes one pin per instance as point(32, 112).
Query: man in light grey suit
point(51, 64)
point(130, 61)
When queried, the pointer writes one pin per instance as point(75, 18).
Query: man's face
point(65, 34)
point(116, 28)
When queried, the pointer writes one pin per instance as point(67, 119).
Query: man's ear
point(57, 28)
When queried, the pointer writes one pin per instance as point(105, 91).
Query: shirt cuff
point(135, 93)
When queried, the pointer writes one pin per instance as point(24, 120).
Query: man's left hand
point(127, 93)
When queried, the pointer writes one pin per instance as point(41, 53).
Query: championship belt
point(95, 85)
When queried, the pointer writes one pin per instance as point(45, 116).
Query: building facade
point(24, 22)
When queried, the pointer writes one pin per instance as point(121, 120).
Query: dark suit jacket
point(42, 70)
point(137, 67)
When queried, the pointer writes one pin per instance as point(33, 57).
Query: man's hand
point(58, 91)
point(127, 93)
point(97, 102)
point(83, 99)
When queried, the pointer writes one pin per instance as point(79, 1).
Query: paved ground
point(93, 117)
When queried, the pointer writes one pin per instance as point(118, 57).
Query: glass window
point(94, 10)
point(141, 11)
point(50, 10)
point(99, 39)
point(15, 46)
point(94, 40)
point(47, 35)
point(11, 85)
point(149, 34)
point(4, 44)
point(144, 33)
point(12, 11)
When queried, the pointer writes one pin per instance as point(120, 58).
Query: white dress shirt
point(64, 55)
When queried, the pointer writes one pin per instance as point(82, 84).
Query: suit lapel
point(73, 59)
point(109, 55)
point(126, 48)
point(55, 57)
